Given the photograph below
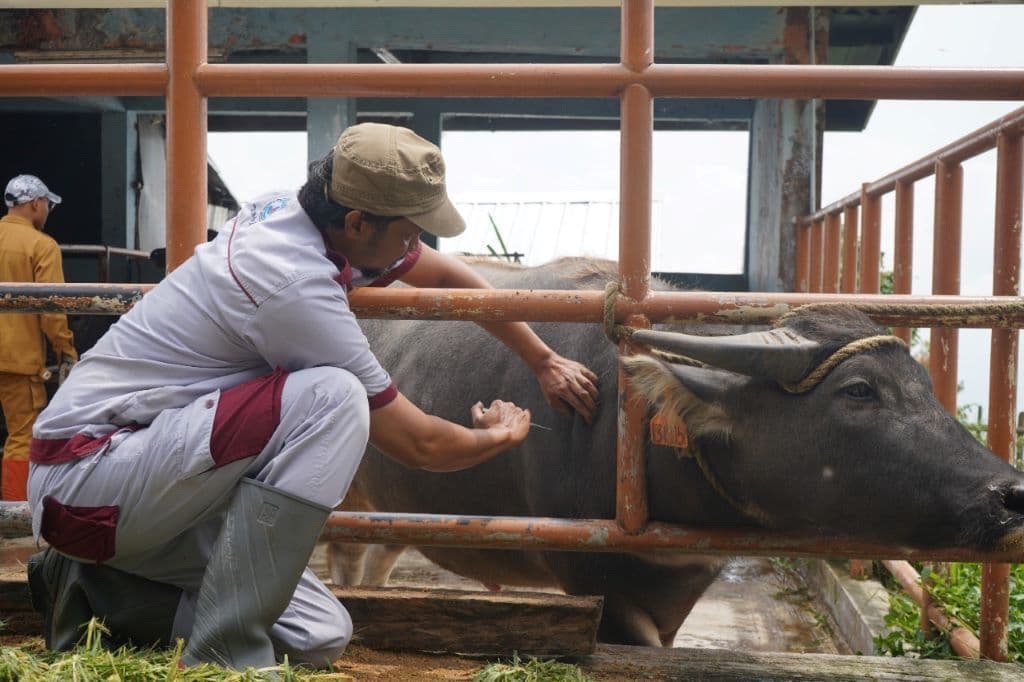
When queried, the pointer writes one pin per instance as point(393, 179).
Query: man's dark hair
point(318, 206)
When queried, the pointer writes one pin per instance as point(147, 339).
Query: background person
point(184, 472)
point(27, 255)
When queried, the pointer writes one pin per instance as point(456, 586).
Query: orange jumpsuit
point(26, 255)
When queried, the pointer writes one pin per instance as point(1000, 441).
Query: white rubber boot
point(263, 548)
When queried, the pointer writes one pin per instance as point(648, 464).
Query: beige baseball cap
point(391, 171)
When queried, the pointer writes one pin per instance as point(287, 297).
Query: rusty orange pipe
point(1002, 392)
point(600, 535)
point(830, 285)
point(83, 80)
point(817, 233)
point(946, 277)
point(870, 243)
point(584, 535)
point(608, 80)
point(550, 305)
point(635, 195)
point(186, 130)
point(962, 640)
point(803, 258)
point(848, 277)
point(903, 251)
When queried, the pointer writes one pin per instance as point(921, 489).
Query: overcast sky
point(700, 178)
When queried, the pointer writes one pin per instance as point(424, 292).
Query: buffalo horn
point(779, 354)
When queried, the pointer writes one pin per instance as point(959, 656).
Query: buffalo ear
point(681, 393)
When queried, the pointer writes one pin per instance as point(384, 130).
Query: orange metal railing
point(817, 254)
point(187, 80)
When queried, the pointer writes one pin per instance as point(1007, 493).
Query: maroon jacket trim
point(247, 416)
point(396, 273)
point(61, 450)
point(87, 533)
point(384, 397)
point(231, 269)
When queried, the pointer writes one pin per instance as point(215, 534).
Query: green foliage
point(533, 670)
point(959, 592)
point(501, 242)
point(91, 662)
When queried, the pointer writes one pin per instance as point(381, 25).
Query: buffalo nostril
point(1014, 499)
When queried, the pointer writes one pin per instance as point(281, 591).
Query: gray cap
point(24, 188)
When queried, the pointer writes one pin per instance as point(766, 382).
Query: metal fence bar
point(635, 197)
point(803, 258)
point(870, 242)
point(542, 305)
point(830, 283)
point(949, 180)
point(868, 283)
point(609, 80)
point(1002, 392)
point(851, 245)
point(963, 641)
point(816, 251)
point(82, 80)
point(583, 535)
point(903, 250)
point(186, 130)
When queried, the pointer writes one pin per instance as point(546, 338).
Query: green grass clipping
point(533, 670)
point(90, 661)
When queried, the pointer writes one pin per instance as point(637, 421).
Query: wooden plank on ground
point(460, 621)
point(613, 662)
point(412, 619)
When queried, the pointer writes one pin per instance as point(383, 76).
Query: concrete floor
point(756, 605)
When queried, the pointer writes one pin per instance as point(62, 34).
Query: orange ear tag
point(663, 434)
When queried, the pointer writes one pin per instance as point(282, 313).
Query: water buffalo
point(866, 453)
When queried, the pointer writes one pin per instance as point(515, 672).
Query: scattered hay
point(531, 671)
point(91, 662)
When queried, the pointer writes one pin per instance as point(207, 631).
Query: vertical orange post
point(868, 283)
point(947, 236)
point(186, 130)
point(848, 281)
point(949, 184)
point(803, 257)
point(1002, 391)
point(817, 234)
point(635, 195)
point(870, 241)
point(942, 356)
point(903, 252)
point(830, 285)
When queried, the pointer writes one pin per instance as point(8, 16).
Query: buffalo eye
point(859, 390)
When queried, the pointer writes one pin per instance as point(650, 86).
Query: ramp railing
point(835, 253)
point(187, 80)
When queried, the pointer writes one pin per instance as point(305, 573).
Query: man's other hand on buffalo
point(567, 385)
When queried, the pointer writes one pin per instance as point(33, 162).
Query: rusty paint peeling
point(745, 312)
point(599, 536)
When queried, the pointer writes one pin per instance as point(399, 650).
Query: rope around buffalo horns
point(620, 332)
